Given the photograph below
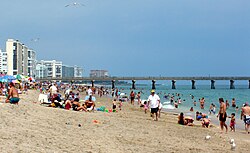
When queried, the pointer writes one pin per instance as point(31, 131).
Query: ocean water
point(241, 94)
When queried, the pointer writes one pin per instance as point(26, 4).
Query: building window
point(15, 58)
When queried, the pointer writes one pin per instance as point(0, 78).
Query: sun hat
point(152, 91)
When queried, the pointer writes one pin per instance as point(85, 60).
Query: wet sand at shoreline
point(31, 127)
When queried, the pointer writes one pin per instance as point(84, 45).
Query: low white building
point(78, 71)
point(49, 69)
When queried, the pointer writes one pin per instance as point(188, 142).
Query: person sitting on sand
point(181, 119)
point(68, 104)
point(198, 116)
point(205, 122)
point(89, 104)
point(13, 96)
point(76, 105)
point(185, 121)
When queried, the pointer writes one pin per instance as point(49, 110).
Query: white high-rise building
point(49, 69)
point(17, 57)
point(3, 62)
point(31, 63)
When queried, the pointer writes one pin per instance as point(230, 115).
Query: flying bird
point(35, 39)
point(75, 4)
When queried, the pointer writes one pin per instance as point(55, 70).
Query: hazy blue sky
point(135, 37)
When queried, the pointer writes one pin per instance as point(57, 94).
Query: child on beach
point(145, 106)
point(232, 122)
point(205, 122)
point(114, 104)
point(120, 105)
point(159, 111)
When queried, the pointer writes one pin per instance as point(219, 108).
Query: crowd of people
point(72, 100)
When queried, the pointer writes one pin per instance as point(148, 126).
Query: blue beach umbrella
point(3, 79)
point(9, 78)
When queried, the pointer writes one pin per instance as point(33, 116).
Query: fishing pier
point(153, 79)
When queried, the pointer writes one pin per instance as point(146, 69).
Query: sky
point(135, 37)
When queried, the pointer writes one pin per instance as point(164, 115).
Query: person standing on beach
point(132, 97)
point(53, 92)
point(138, 96)
point(89, 91)
point(222, 114)
point(246, 114)
point(154, 103)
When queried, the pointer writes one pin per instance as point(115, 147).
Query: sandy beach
point(31, 127)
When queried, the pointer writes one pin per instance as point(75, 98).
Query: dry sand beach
point(31, 127)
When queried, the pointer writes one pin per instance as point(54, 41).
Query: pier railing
point(152, 78)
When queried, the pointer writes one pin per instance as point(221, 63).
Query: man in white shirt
point(53, 92)
point(89, 91)
point(154, 103)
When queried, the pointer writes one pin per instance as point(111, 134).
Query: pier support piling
point(153, 84)
point(232, 84)
point(193, 84)
point(113, 84)
point(173, 84)
point(212, 84)
point(92, 83)
point(133, 84)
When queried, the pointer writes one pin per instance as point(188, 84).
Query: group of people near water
point(71, 100)
point(155, 105)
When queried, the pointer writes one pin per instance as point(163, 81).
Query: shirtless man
point(222, 114)
point(202, 102)
point(13, 96)
point(233, 102)
point(246, 114)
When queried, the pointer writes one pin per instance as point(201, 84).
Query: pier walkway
point(153, 79)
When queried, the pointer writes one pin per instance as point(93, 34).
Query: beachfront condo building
point(99, 73)
point(17, 58)
point(3, 62)
point(49, 69)
point(72, 71)
point(31, 63)
point(78, 71)
point(67, 71)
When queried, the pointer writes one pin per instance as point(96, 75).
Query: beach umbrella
point(15, 81)
point(9, 78)
point(19, 77)
point(3, 79)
